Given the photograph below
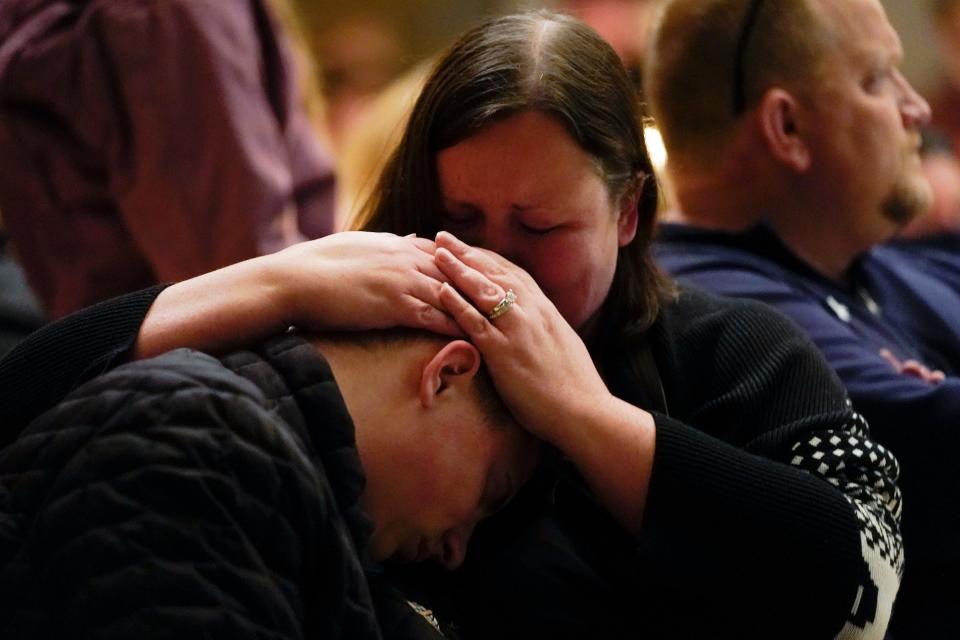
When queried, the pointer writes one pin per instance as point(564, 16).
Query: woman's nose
point(493, 240)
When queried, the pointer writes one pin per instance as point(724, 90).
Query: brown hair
point(549, 63)
point(691, 67)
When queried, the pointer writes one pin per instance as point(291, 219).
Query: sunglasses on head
point(739, 73)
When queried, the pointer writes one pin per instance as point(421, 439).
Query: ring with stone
point(503, 306)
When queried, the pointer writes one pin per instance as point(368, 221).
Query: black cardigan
point(770, 513)
point(60, 356)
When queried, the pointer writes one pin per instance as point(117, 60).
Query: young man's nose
point(454, 546)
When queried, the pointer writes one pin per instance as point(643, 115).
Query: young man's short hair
point(495, 412)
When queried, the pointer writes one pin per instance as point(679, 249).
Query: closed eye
point(877, 79)
point(538, 231)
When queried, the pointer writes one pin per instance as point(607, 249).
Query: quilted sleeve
point(170, 503)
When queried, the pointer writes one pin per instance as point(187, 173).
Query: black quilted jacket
point(184, 497)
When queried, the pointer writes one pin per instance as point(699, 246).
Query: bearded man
point(794, 153)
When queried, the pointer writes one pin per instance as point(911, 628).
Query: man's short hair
point(496, 414)
point(692, 65)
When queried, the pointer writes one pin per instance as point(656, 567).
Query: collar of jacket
point(298, 378)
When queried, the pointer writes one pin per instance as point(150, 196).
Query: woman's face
point(525, 189)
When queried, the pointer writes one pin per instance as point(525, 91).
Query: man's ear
point(628, 220)
point(451, 367)
point(778, 116)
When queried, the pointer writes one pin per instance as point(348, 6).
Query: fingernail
point(444, 255)
point(448, 236)
point(410, 235)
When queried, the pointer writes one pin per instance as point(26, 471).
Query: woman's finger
point(474, 323)
point(428, 317)
point(482, 291)
point(426, 289)
point(491, 264)
point(426, 311)
point(485, 261)
point(424, 244)
point(430, 269)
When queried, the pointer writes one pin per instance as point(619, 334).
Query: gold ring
point(503, 306)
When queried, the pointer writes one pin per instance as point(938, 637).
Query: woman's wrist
point(276, 287)
point(612, 443)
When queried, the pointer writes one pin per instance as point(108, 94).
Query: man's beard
point(910, 197)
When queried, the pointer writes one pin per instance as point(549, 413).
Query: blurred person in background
point(942, 169)
point(945, 98)
point(932, 240)
point(794, 145)
point(624, 24)
point(361, 53)
point(150, 142)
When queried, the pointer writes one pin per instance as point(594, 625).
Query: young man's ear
point(628, 220)
point(453, 366)
point(779, 120)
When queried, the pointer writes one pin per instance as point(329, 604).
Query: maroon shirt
point(150, 140)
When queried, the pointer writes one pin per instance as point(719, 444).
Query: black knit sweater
point(51, 362)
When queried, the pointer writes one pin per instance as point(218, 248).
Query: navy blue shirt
point(938, 256)
point(890, 304)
